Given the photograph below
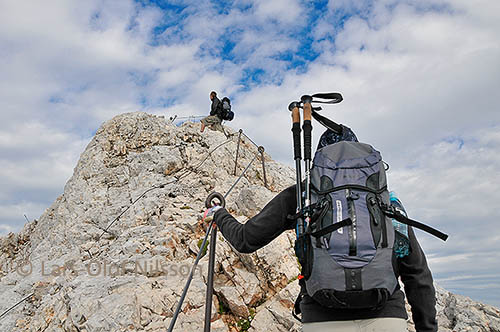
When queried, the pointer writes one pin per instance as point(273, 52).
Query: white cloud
point(18, 213)
point(13, 216)
point(417, 83)
point(284, 11)
point(468, 277)
point(35, 161)
point(418, 78)
point(454, 173)
point(6, 229)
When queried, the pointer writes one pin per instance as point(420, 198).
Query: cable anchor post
point(261, 150)
point(237, 151)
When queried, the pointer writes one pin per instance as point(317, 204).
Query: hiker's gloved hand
point(208, 216)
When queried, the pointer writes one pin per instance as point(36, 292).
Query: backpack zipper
point(350, 196)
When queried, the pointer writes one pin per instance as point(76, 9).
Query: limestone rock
point(113, 252)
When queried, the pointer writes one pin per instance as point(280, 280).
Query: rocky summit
point(113, 252)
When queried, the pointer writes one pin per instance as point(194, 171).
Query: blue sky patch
point(56, 99)
point(458, 141)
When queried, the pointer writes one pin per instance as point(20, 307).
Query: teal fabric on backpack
point(402, 244)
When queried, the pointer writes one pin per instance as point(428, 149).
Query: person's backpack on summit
point(356, 250)
point(227, 113)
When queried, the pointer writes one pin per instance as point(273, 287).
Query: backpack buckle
point(350, 195)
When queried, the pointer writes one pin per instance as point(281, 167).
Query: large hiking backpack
point(226, 112)
point(347, 250)
point(349, 263)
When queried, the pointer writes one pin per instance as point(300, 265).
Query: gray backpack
point(349, 264)
point(347, 261)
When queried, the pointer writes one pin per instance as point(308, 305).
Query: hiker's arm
point(262, 228)
point(419, 287)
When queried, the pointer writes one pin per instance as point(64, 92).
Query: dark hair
point(213, 93)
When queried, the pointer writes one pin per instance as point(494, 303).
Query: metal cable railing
point(193, 118)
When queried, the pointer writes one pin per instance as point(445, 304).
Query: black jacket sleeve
point(262, 228)
point(419, 288)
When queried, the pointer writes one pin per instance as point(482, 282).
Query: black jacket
point(216, 107)
point(413, 269)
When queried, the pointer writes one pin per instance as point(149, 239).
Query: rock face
point(114, 251)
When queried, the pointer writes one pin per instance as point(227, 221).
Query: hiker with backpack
point(355, 248)
point(219, 110)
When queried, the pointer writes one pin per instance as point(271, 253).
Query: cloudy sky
point(419, 79)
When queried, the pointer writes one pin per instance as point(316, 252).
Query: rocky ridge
point(156, 176)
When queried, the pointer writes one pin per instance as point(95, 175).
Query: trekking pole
point(211, 228)
point(307, 127)
point(213, 238)
point(15, 305)
point(211, 263)
point(190, 278)
point(297, 155)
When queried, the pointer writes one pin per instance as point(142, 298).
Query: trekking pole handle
point(307, 126)
point(209, 201)
point(294, 108)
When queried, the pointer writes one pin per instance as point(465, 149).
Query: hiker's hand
point(208, 216)
point(213, 209)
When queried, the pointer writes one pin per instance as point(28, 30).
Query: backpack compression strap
point(393, 213)
point(332, 227)
point(319, 211)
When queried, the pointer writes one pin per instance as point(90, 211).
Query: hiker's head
point(213, 94)
point(331, 137)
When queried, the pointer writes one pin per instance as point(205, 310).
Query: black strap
point(319, 213)
point(352, 186)
point(392, 213)
point(332, 227)
point(319, 210)
point(331, 97)
point(333, 126)
point(296, 306)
